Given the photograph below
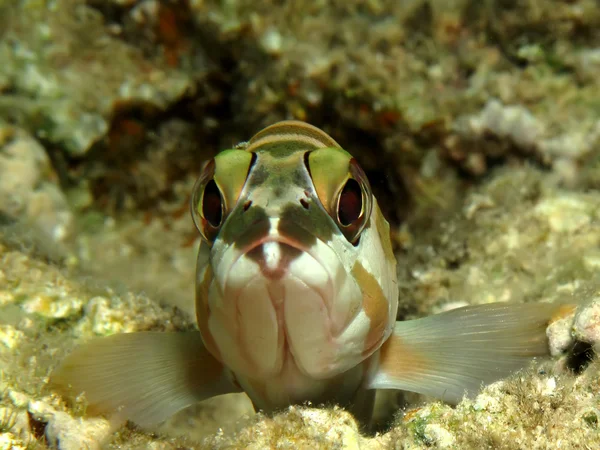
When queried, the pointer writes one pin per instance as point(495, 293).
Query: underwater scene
point(267, 224)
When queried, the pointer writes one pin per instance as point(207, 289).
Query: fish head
point(296, 260)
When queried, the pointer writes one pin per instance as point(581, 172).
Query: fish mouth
point(274, 254)
point(283, 295)
point(274, 233)
point(270, 246)
point(275, 289)
point(273, 257)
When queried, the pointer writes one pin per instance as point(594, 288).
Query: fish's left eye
point(353, 207)
point(350, 203)
point(343, 189)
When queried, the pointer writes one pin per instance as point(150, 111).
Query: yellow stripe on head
point(291, 132)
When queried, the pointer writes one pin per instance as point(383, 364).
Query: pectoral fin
point(454, 353)
point(149, 375)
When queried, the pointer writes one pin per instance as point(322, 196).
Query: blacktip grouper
point(296, 300)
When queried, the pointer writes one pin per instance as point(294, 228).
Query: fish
point(297, 300)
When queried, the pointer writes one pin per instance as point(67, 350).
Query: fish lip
point(275, 238)
point(282, 239)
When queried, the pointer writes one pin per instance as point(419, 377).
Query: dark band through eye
point(212, 204)
point(350, 204)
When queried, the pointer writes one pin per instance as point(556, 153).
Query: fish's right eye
point(207, 203)
point(212, 204)
point(219, 189)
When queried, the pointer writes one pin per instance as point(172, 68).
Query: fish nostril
point(304, 203)
point(247, 205)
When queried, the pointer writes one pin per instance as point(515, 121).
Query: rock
point(55, 306)
point(68, 71)
point(18, 423)
point(28, 185)
point(64, 432)
point(512, 123)
point(566, 213)
point(560, 335)
point(9, 441)
point(439, 436)
point(130, 95)
point(586, 327)
point(9, 336)
point(301, 427)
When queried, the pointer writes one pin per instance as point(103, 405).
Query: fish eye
point(207, 203)
point(218, 190)
point(350, 203)
point(342, 188)
point(353, 207)
point(212, 204)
